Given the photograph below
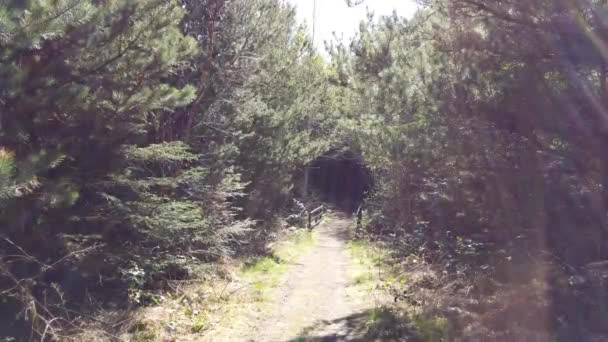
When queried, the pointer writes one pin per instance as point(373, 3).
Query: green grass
point(200, 323)
point(299, 242)
point(198, 307)
point(374, 264)
point(373, 270)
point(371, 264)
point(366, 253)
point(265, 273)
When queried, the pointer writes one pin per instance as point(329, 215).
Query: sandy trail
point(315, 301)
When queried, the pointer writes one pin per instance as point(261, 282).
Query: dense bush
point(482, 122)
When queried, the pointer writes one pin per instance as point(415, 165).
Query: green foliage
point(80, 81)
point(171, 128)
point(165, 192)
point(384, 323)
point(481, 122)
point(7, 175)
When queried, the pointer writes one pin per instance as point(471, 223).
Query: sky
point(336, 16)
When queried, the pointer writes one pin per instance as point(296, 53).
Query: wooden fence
point(315, 216)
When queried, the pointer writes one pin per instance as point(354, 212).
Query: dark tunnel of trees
point(341, 179)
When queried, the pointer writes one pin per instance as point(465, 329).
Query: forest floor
point(317, 299)
point(313, 286)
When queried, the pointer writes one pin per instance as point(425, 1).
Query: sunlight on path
point(315, 300)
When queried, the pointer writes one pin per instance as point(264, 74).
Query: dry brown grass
point(191, 310)
point(473, 305)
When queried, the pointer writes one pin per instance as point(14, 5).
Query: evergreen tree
point(79, 81)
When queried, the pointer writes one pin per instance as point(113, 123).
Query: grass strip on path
point(265, 273)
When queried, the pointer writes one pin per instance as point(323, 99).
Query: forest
point(145, 142)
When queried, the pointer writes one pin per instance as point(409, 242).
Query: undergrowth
point(195, 308)
point(212, 300)
point(376, 271)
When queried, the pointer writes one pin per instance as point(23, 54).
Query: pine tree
point(80, 84)
point(79, 80)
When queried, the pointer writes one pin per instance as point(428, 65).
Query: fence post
point(309, 220)
point(359, 217)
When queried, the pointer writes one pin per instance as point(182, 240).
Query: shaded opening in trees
point(340, 178)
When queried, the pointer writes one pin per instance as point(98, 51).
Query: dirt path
point(315, 301)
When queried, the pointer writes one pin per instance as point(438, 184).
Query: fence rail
point(315, 216)
point(310, 218)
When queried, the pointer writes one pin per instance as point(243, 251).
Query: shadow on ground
point(369, 325)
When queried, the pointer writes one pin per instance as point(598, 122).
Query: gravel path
point(315, 301)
